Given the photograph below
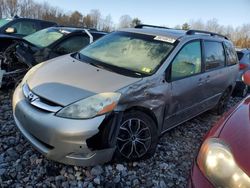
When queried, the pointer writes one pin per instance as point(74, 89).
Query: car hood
point(65, 80)
point(9, 37)
point(236, 133)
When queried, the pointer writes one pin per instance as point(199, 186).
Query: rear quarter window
point(240, 55)
point(232, 58)
point(214, 55)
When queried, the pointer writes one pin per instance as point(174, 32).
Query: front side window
point(231, 54)
point(44, 37)
point(187, 62)
point(138, 53)
point(25, 27)
point(72, 44)
point(214, 55)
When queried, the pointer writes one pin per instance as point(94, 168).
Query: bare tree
point(213, 26)
point(95, 17)
point(107, 24)
point(2, 8)
point(125, 21)
point(32, 9)
point(177, 27)
point(12, 7)
point(197, 24)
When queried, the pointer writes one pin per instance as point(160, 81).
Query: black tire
point(137, 142)
point(240, 91)
point(223, 102)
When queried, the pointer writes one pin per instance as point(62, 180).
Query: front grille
point(39, 102)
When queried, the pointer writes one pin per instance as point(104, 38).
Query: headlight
point(216, 161)
point(90, 107)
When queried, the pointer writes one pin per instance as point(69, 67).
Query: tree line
point(33, 9)
point(94, 19)
point(239, 35)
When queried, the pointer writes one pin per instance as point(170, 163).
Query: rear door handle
point(200, 82)
point(207, 79)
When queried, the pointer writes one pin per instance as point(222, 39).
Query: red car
point(224, 157)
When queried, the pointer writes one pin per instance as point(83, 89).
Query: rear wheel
point(223, 102)
point(137, 137)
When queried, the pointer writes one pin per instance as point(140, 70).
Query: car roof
point(10, 19)
point(77, 29)
point(243, 50)
point(172, 33)
point(20, 18)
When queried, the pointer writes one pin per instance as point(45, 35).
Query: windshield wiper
point(105, 66)
point(78, 57)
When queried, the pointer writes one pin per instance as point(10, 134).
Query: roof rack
point(76, 27)
point(140, 26)
point(193, 32)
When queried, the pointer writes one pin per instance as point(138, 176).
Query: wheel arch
point(145, 110)
point(230, 87)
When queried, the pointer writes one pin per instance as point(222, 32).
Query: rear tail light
point(242, 66)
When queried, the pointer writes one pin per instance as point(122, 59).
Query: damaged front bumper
point(13, 66)
point(59, 139)
point(9, 79)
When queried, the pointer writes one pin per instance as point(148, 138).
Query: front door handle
point(207, 79)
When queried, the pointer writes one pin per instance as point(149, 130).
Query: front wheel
point(223, 102)
point(137, 137)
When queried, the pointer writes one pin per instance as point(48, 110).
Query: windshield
point(44, 37)
point(4, 21)
point(134, 52)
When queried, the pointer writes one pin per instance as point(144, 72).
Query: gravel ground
point(22, 166)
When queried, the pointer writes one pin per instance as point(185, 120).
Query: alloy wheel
point(134, 138)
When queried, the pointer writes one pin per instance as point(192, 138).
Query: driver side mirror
point(10, 30)
point(246, 77)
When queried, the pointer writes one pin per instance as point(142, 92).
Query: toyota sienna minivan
point(114, 98)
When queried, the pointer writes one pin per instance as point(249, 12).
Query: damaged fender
point(149, 95)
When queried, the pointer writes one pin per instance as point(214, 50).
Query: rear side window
point(214, 55)
point(231, 54)
point(187, 62)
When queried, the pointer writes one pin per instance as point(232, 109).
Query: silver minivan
point(114, 98)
